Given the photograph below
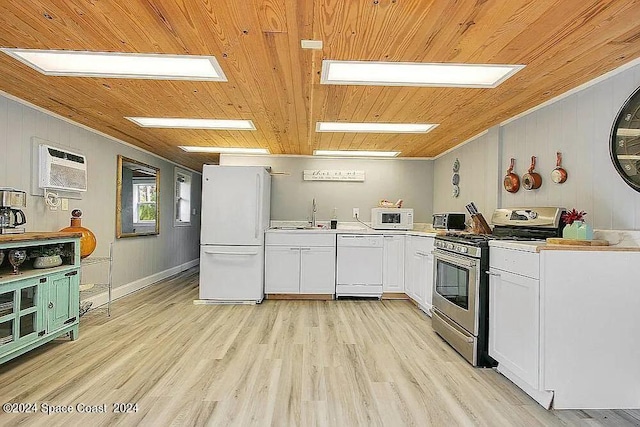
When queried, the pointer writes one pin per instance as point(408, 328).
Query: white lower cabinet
point(419, 270)
point(514, 319)
point(514, 316)
point(282, 270)
point(393, 264)
point(300, 263)
point(317, 270)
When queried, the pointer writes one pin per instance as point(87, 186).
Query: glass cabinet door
point(7, 317)
point(28, 311)
point(19, 313)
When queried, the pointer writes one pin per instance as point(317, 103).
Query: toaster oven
point(449, 221)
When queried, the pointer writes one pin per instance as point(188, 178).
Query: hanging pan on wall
point(558, 175)
point(511, 180)
point(532, 180)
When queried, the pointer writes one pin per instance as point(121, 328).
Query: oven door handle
point(455, 259)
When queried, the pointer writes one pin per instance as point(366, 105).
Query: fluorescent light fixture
point(347, 153)
point(374, 127)
point(180, 123)
point(119, 65)
point(223, 150)
point(415, 74)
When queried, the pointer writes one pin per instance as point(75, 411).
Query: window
point(144, 201)
point(182, 214)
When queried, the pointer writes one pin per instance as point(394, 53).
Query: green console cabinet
point(38, 305)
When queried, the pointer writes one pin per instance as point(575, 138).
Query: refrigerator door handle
point(258, 207)
point(229, 253)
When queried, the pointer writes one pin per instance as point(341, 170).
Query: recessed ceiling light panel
point(415, 74)
point(120, 65)
point(374, 127)
point(354, 153)
point(184, 123)
point(223, 150)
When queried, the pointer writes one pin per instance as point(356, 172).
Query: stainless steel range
point(461, 283)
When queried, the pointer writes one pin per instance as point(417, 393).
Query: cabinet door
point(418, 274)
point(317, 270)
point(19, 314)
point(393, 266)
point(62, 304)
point(282, 270)
point(514, 324)
point(427, 268)
point(409, 279)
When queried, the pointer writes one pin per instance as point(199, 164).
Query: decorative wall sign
point(333, 175)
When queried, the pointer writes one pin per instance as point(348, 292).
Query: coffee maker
point(11, 219)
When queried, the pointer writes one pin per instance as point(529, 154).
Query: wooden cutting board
point(574, 242)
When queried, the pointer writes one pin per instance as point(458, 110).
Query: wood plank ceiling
point(275, 83)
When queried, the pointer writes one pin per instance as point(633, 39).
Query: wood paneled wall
point(134, 258)
point(579, 126)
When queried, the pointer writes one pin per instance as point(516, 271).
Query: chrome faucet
point(313, 212)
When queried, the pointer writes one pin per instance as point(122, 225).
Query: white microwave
point(392, 219)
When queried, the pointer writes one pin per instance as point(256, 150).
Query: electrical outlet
point(356, 212)
point(64, 204)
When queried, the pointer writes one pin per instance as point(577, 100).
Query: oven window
point(452, 282)
point(391, 218)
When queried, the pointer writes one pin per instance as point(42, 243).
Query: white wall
point(134, 258)
point(391, 179)
point(579, 126)
point(478, 176)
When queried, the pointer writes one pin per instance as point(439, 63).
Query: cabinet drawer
point(423, 243)
point(300, 238)
point(518, 262)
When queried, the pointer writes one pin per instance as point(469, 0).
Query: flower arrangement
point(572, 216)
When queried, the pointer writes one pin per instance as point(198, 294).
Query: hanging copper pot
point(531, 180)
point(511, 180)
point(558, 175)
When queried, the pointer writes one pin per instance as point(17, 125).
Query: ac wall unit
point(62, 170)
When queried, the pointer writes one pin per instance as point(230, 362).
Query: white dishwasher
point(359, 265)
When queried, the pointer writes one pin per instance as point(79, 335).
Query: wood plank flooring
point(281, 363)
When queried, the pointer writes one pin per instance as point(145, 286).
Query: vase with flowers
point(575, 226)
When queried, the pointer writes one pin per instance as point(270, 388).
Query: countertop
point(541, 245)
point(354, 229)
point(38, 235)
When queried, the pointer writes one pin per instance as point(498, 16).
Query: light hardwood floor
point(280, 363)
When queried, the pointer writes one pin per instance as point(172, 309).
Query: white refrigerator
point(235, 213)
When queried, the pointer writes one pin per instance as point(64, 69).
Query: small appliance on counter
point(392, 218)
point(12, 219)
point(449, 221)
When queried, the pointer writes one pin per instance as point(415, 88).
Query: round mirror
point(625, 141)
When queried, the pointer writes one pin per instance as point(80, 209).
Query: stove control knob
point(450, 245)
point(464, 250)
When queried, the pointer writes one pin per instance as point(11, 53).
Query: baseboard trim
point(323, 297)
point(126, 289)
point(395, 295)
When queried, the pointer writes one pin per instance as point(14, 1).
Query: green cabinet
point(38, 305)
point(62, 290)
